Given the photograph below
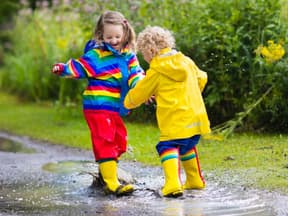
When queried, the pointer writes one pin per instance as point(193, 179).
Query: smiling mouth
point(115, 46)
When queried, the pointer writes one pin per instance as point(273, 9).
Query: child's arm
point(202, 79)
point(136, 72)
point(144, 89)
point(201, 75)
point(83, 67)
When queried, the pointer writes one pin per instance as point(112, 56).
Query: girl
point(177, 84)
point(111, 68)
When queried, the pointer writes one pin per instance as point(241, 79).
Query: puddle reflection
point(70, 166)
point(7, 145)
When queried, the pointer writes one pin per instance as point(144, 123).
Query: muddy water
point(42, 179)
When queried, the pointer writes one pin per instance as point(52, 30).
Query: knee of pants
point(103, 149)
point(164, 146)
point(192, 142)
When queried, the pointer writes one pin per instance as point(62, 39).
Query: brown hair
point(115, 18)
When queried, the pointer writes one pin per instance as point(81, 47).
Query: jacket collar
point(165, 50)
point(107, 47)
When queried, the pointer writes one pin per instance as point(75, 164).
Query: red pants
point(108, 134)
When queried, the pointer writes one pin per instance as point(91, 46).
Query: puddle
point(57, 182)
point(8, 145)
point(70, 166)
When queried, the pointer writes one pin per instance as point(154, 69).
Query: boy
point(177, 83)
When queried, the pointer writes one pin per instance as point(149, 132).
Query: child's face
point(113, 35)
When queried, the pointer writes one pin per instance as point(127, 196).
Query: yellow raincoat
point(177, 83)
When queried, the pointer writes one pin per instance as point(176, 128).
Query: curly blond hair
point(154, 38)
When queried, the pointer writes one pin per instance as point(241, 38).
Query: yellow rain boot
point(108, 172)
point(194, 179)
point(173, 186)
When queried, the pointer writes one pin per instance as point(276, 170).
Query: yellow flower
point(258, 50)
point(62, 43)
point(271, 53)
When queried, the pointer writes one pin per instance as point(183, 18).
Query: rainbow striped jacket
point(110, 75)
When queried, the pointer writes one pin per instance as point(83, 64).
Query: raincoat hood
point(173, 68)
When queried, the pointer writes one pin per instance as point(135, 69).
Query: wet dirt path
point(43, 179)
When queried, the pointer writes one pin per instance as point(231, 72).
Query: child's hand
point(150, 100)
point(58, 68)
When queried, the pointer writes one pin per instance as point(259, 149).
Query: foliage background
point(220, 36)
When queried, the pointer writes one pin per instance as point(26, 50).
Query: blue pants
point(184, 145)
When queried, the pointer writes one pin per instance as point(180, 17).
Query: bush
point(220, 36)
point(39, 39)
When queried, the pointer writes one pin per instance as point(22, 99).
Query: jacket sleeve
point(144, 89)
point(201, 75)
point(202, 79)
point(136, 72)
point(83, 67)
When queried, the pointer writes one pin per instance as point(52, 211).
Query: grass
point(256, 160)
